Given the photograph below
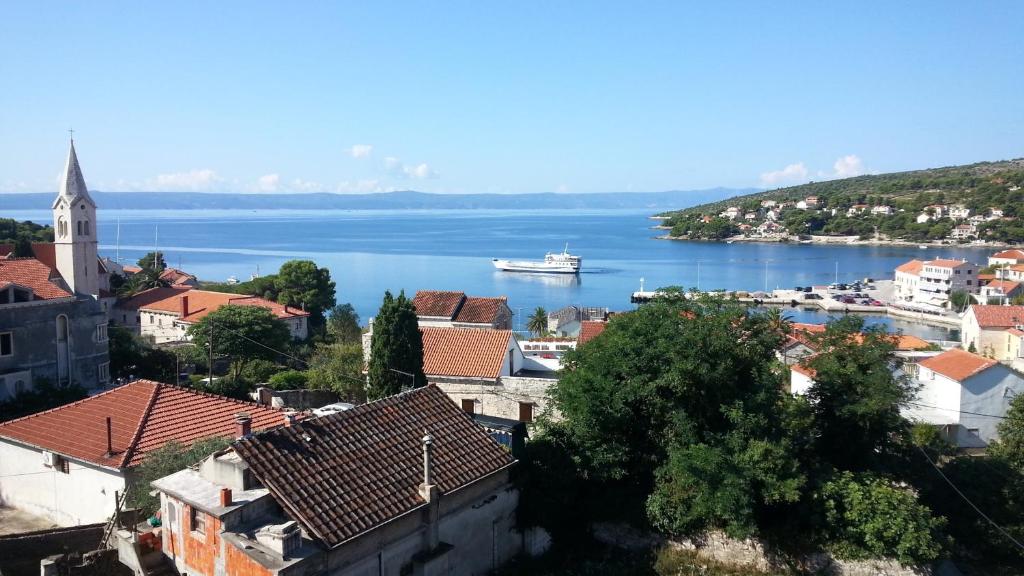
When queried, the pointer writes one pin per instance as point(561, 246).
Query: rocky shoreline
point(833, 241)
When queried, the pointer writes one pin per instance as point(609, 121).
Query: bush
point(259, 371)
point(870, 517)
point(167, 459)
point(43, 396)
point(288, 380)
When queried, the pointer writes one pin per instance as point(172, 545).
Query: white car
point(333, 408)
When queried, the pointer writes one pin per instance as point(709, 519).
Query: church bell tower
point(74, 231)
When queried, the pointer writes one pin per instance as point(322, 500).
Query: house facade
point(52, 318)
point(68, 463)
point(906, 280)
point(168, 320)
point(993, 331)
point(403, 485)
point(932, 281)
point(1007, 257)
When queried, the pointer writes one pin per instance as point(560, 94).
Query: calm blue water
point(370, 251)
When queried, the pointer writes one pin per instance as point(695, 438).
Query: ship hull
point(534, 267)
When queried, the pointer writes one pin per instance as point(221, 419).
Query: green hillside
point(992, 192)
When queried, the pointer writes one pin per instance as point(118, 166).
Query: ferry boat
point(557, 263)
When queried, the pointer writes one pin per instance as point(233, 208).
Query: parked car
point(798, 289)
point(333, 408)
point(812, 296)
point(877, 303)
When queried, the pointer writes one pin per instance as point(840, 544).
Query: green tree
point(168, 459)
point(244, 333)
point(44, 395)
point(396, 352)
point(153, 261)
point(959, 300)
point(339, 367)
point(133, 357)
point(537, 323)
point(289, 380)
point(1010, 446)
point(343, 324)
point(301, 283)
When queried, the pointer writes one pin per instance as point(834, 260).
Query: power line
point(955, 410)
point(968, 500)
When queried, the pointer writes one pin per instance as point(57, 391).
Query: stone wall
point(20, 554)
point(295, 399)
point(500, 398)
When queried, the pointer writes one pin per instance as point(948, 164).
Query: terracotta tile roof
point(464, 352)
point(1015, 332)
point(6, 249)
point(958, 364)
point(44, 252)
point(437, 303)
point(174, 276)
point(804, 333)
point(986, 276)
point(805, 370)
point(131, 269)
point(1006, 286)
point(912, 267)
point(1012, 253)
point(350, 472)
point(32, 273)
point(947, 263)
point(590, 329)
point(991, 316)
point(147, 297)
point(479, 310)
point(202, 302)
point(144, 416)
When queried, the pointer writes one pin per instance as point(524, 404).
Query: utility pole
point(210, 381)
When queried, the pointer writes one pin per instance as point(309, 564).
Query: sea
point(371, 251)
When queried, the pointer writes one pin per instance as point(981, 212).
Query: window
point(6, 344)
point(468, 405)
point(525, 412)
point(63, 466)
point(151, 320)
point(86, 227)
point(101, 332)
point(196, 521)
point(79, 227)
point(104, 372)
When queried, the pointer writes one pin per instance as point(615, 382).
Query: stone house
point(566, 321)
point(404, 485)
point(486, 372)
point(994, 331)
point(456, 310)
point(168, 320)
point(66, 464)
point(52, 317)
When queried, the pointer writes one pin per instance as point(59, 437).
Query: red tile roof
point(992, 316)
point(805, 370)
point(1006, 286)
point(44, 252)
point(1012, 253)
point(465, 352)
point(437, 303)
point(947, 263)
point(958, 364)
point(31, 273)
point(147, 297)
point(912, 267)
point(128, 269)
point(145, 415)
point(479, 310)
point(202, 302)
point(803, 332)
point(174, 276)
point(348, 473)
point(590, 329)
point(6, 249)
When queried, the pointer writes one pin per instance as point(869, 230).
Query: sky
point(488, 97)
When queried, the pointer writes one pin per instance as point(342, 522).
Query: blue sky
point(502, 97)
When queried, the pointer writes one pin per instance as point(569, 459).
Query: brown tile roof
point(590, 329)
point(348, 473)
point(174, 276)
point(129, 269)
point(145, 415)
point(464, 352)
point(991, 316)
point(437, 303)
point(147, 297)
point(479, 310)
point(44, 252)
point(32, 273)
point(202, 302)
point(958, 364)
point(912, 267)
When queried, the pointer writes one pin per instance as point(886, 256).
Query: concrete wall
point(799, 383)
point(20, 553)
point(33, 326)
point(84, 495)
point(935, 390)
point(989, 392)
point(499, 398)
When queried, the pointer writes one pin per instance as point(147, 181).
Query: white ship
point(557, 263)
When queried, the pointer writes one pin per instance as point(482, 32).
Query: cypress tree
point(397, 345)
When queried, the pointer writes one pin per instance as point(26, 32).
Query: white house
point(66, 464)
point(881, 210)
point(966, 394)
point(959, 212)
point(964, 232)
point(994, 331)
point(908, 275)
point(169, 319)
point(1001, 291)
point(1007, 257)
point(923, 217)
point(856, 209)
point(941, 277)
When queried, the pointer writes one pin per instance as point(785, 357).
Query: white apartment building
point(932, 281)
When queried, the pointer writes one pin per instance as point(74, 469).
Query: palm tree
point(778, 321)
point(537, 323)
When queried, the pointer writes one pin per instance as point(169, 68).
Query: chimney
point(430, 493)
point(428, 459)
point(290, 418)
point(225, 497)
point(184, 305)
point(110, 438)
point(243, 425)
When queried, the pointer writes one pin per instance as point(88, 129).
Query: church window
point(87, 228)
point(79, 227)
point(62, 227)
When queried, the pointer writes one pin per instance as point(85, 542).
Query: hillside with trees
point(982, 201)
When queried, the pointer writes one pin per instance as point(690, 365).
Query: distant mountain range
point(409, 200)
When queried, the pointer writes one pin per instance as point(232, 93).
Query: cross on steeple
point(71, 134)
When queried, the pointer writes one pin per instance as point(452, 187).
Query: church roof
point(72, 183)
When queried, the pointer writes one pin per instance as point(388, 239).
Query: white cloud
point(848, 166)
point(359, 187)
point(203, 180)
point(360, 150)
point(562, 188)
point(791, 174)
point(392, 164)
point(268, 183)
point(421, 171)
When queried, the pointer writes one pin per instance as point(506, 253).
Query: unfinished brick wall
point(236, 563)
point(201, 550)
